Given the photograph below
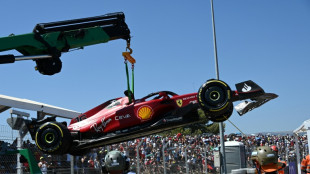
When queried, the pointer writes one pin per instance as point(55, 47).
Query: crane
point(46, 43)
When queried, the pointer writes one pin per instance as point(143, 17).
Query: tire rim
point(49, 138)
point(215, 96)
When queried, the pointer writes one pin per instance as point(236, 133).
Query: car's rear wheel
point(221, 116)
point(53, 138)
point(214, 98)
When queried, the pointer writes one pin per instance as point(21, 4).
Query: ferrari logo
point(179, 102)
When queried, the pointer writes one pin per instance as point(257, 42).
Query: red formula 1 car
point(119, 120)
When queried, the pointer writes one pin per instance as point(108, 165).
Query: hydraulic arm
point(49, 40)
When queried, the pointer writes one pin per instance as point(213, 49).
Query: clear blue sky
point(265, 41)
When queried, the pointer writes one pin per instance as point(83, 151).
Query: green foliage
point(214, 128)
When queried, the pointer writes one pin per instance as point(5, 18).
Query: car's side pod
point(214, 98)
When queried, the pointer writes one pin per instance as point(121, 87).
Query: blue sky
point(265, 41)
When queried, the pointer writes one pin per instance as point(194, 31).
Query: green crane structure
point(27, 156)
point(49, 40)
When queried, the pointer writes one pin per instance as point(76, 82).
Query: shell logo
point(145, 112)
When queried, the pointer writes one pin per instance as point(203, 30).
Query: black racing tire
point(214, 97)
point(222, 116)
point(53, 138)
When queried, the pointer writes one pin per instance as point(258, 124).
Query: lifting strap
point(128, 57)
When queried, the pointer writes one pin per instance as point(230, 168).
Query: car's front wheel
point(214, 97)
point(53, 138)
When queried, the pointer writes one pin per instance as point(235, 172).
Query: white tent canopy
point(304, 127)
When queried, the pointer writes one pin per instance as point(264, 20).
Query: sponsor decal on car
point(190, 97)
point(179, 102)
point(145, 112)
point(246, 88)
point(194, 101)
point(100, 127)
point(77, 128)
point(122, 117)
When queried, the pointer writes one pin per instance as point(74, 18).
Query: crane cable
point(235, 126)
point(128, 58)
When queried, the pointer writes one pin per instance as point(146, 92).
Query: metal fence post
point(186, 163)
point(18, 125)
point(222, 150)
point(138, 157)
point(19, 147)
point(297, 153)
point(164, 146)
point(72, 163)
point(206, 158)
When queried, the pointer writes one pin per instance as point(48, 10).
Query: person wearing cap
point(43, 165)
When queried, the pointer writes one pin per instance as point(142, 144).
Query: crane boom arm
point(54, 38)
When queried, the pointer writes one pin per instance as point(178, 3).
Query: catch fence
point(149, 155)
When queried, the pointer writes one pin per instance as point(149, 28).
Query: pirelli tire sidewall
point(222, 116)
point(53, 138)
point(214, 97)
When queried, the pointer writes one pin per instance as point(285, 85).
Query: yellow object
point(127, 56)
point(145, 112)
point(179, 102)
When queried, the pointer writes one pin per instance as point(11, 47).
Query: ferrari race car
point(119, 120)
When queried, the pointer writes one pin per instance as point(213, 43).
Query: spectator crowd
point(181, 151)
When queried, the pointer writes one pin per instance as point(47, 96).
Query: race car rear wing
point(250, 90)
point(246, 90)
